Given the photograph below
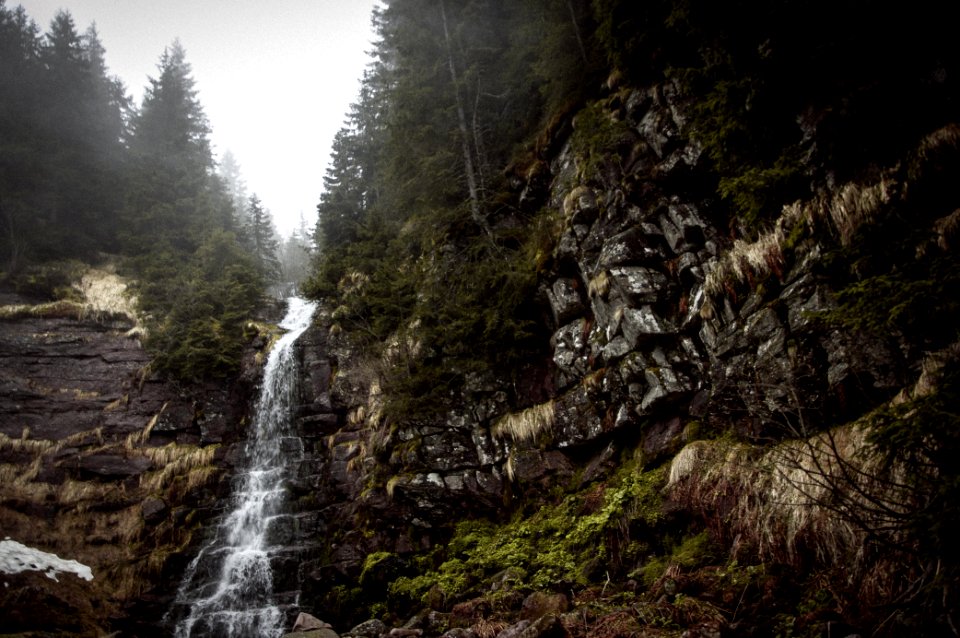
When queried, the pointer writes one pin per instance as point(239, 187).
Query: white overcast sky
point(275, 78)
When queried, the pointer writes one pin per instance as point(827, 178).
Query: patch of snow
point(16, 557)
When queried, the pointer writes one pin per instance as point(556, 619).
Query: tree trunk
point(576, 30)
point(464, 131)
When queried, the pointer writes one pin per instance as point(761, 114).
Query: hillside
point(674, 350)
point(634, 320)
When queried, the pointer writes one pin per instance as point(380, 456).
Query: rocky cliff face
point(676, 359)
point(102, 463)
point(664, 332)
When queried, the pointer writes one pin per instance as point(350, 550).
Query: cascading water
point(227, 590)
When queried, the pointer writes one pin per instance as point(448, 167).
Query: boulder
point(570, 352)
point(565, 301)
point(539, 604)
point(575, 419)
point(369, 629)
point(639, 285)
point(306, 622)
point(630, 247)
point(153, 510)
point(640, 324)
point(544, 627)
point(313, 633)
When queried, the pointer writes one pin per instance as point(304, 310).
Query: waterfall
point(227, 590)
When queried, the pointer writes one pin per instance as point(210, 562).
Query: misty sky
point(275, 78)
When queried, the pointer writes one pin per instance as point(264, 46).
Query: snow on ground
point(16, 557)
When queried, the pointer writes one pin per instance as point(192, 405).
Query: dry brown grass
point(485, 628)
point(136, 440)
point(526, 426)
point(842, 213)
point(802, 502)
point(392, 484)
point(599, 286)
point(52, 310)
point(756, 260)
point(189, 465)
point(105, 294)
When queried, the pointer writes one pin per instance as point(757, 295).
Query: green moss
point(559, 543)
point(373, 565)
point(597, 137)
point(692, 552)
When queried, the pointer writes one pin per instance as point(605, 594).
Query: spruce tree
point(262, 236)
point(171, 201)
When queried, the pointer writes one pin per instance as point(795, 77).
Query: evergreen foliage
point(205, 309)
point(83, 172)
point(197, 281)
point(416, 201)
point(61, 129)
point(261, 239)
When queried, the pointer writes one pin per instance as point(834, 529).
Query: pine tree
point(174, 200)
point(61, 130)
point(232, 176)
point(20, 164)
point(263, 240)
point(196, 281)
point(83, 124)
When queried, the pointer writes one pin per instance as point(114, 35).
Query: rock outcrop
point(104, 463)
point(662, 329)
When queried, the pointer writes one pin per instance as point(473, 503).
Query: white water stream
point(228, 587)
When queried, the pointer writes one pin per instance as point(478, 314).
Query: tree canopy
point(83, 171)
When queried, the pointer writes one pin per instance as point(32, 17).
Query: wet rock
point(513, 631)
point(602, 462)
point(634, 246)
point(638, 285)
point(686, 218)
point(370, 629)
point(175, 417)
point(640, 324)
point(565, 301)
point(616, 349)
point(802, 316)
point(325, 423)
point(449, 450)
point(763, 325)
point(569, 351)
point(488, 450)
point(112, 466)
point(534, 465)
point(153, 510)
point(575, 420)
point(662, 438)
point(568, 247)
point(539, 604)
point(313, 633)
point(657, 130)
point(306, 622)
point(664, 386)
point(580, 205)
point(673, 235)
point(545, 627)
